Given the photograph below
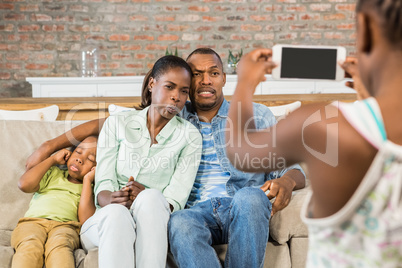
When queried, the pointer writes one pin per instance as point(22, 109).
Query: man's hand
point(135, 188)
point(281, 189)
point(351, 68)
point(62, 156)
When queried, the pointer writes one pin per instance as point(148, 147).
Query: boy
point(49, 231)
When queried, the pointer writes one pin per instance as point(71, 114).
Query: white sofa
point(288, 235)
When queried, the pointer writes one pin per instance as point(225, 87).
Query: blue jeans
point(242, 222)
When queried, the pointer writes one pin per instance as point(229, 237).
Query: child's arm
point(29, 181)
point(87, 207)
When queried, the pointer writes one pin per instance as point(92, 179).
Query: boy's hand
point(90, 176)
point(61, 156)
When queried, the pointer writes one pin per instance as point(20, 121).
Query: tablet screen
point(308, 63)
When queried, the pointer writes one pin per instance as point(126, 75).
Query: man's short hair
point(205, 51)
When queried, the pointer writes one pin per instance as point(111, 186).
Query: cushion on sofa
point(287, 223)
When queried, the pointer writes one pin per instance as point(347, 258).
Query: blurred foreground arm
point(351, 68)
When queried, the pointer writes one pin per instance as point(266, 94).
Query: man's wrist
point(289, 180)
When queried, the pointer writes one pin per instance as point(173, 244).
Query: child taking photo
point(63, 200)
point(353, 151)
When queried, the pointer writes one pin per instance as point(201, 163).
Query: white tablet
point(308, 62)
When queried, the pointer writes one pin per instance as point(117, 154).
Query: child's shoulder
point(57, 171)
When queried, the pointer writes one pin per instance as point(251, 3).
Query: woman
point(147, 161)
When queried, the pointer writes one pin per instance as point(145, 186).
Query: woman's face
point(170, 91)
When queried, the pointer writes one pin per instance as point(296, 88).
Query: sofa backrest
point(18, 139)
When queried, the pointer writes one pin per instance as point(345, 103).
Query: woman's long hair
point(161, 66)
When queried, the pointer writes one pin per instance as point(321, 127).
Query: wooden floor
point(96, 107)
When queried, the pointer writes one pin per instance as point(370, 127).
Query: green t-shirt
point(57, 198)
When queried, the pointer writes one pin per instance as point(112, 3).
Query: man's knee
point(251, 199)
point(181, 223)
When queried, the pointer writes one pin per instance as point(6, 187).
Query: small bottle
point(89, 61)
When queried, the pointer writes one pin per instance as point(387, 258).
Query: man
point(226, 205)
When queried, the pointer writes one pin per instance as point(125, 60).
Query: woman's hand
point(121, 197)
point(135, 188)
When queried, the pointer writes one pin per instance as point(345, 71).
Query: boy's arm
point(71, 137)
point(87, 208)
point(29, 181)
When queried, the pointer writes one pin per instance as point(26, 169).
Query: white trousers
point(130, 238)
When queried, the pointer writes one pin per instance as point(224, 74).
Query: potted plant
point(167, 52)
point(233, 59)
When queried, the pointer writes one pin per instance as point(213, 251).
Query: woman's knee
point(113, 216)
point(150, 200)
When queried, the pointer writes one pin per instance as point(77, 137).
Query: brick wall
point(44, 38)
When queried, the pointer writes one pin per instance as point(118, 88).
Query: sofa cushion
point(287, 223)
point(6, 256)
point(18, 140)
point(5, 238)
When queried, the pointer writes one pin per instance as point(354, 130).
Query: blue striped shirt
point(211, 179)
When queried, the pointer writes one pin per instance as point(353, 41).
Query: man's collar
point(224, 109)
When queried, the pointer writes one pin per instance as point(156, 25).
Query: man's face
point(207, 83)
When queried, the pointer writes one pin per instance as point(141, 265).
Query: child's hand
point(61, 156)
point(90, 176)
point(253, 66)
point(350, 65)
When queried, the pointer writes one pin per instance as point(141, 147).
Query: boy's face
point(83, 158)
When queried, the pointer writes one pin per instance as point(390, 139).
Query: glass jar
point(90, 61)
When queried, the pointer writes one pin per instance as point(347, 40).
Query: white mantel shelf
point(130, 86)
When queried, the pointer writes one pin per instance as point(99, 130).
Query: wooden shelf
point(96, 107)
